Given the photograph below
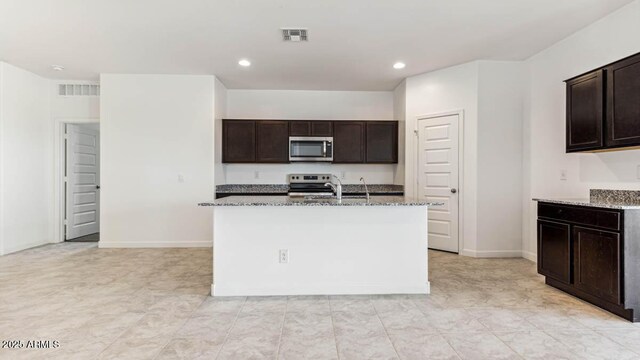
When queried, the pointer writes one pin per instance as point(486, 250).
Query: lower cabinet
point(554, 250)
point(592, 253)
point(596, 256)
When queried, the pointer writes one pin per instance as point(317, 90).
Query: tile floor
point(154, 304)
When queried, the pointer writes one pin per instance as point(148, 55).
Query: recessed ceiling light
point(244, 62)
point(399, 65)
point(57, 67)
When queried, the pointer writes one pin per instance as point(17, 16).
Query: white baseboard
point(169, 244)
point(280, 290)
point(492, 253)
point(530, 256)
point(20, 247)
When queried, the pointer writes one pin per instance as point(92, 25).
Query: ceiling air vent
point(78, 89)
point(295, 35)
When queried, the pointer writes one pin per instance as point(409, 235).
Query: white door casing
point(438, 178)
point(82, 185)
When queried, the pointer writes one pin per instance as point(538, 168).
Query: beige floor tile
point(411, 344)
point(536, 345)
point(143, 303)
point(190, 348)
point(588, 344)
point(480, 345)
point(308, 335)
point(628, 338)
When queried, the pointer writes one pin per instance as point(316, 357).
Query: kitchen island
point(276, 245)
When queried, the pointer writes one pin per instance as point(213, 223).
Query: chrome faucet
point(366, 189)
point(336, 188)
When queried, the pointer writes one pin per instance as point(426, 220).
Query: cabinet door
point(554, 250)
point(623, 103)
point(272, 141)
point(321, 128)
point(348, 141)
point(300, 128)
point(238, 141)
point(382, 142)
point(597, 263)
point(585, 112)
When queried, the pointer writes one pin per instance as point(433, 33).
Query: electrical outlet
point(256, 174)
point(343, 175)
point(284, 256)
point(563, 175)
point(180, 178)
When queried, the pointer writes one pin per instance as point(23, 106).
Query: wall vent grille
point(295, 35)
point(78, 90)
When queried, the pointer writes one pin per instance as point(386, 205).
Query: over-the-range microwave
point(310, 149)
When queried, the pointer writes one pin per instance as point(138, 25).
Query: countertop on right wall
point(602, 198)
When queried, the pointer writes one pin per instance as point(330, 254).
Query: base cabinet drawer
point(597, 263)
point(554, 250)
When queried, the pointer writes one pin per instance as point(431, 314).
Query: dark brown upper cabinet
point(310, 128)
point(623, 103)
point(272, 141)
point(602, 107)
point(585, 112)
point(348, 142)
point(267, 141)
point(238, 141)
point(382, 142)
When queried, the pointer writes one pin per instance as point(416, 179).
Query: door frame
point(416, 165)
point(59, 166)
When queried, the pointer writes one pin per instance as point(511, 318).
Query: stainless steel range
point(309, 185)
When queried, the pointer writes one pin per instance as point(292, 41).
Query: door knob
point(97, 186)
point(453, 191)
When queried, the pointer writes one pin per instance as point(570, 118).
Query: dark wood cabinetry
point(267, 141)
point(554, 250)
point(348, 141)
point(602, 107)
point(382, 142)
point(623, 103)
point(597, 263)
point(238, 141)
point(310, 128)
point(585, 112)
point(591, 253)
point(272, 141)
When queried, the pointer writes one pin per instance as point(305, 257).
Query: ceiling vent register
point(78, 90)
point(294, 35)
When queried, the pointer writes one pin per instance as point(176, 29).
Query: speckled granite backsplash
point(622, 196)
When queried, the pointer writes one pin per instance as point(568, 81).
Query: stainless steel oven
point(311, 149)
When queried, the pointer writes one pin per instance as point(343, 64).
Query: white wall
point(155, 128)
point(490, 95)
point(220, 112)
point(26, 160)
point(499, 190)
point(309, 105)
point(451, 89)
point(400, 114)
point(607, 40)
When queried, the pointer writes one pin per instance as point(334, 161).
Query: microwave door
point(308, 150)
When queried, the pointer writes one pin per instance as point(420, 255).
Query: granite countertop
point(608, 199)
point(283, 188)
point(317, 201)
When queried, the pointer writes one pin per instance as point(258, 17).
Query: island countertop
point(346, 201)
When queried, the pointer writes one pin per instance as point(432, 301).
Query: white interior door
point(438, 178)
point(83, 176)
